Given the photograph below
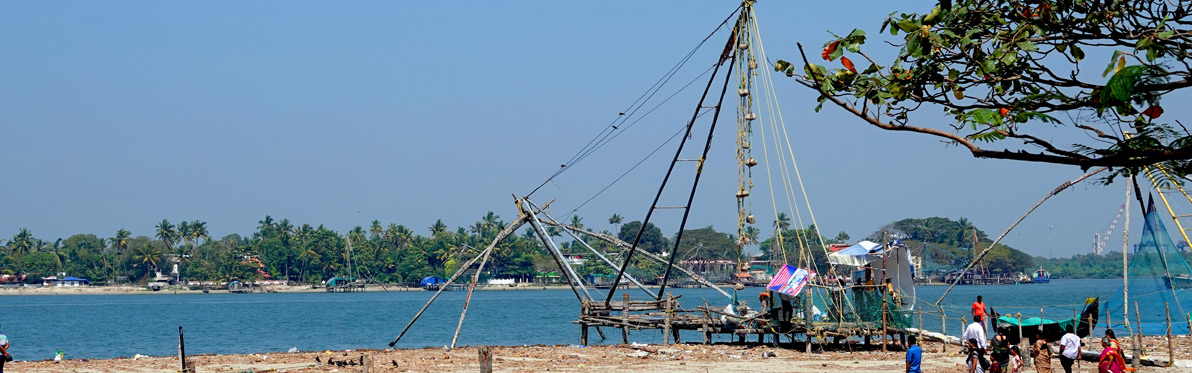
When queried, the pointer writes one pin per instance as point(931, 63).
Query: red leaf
point(831, 48)
point(1153, 112)
point(848, 64)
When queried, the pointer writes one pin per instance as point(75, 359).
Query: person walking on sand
point(914, 355)
point(1001, 353)
point(975, 359)
point(1069, 349)
point(4, 355)
point(1110, 361)
point(979, 311)
point(976, 331)
point(1042, 353)
point(1015, 360)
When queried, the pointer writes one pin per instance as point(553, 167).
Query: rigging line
point(798, 175)
point(642, 117)
point(623, 118)
point(608, 139)
point(639, 163)
point(565, 194)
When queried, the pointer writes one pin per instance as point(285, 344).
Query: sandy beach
point(618, 358)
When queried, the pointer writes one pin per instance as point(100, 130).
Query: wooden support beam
point(625, 322)
point(486, 359)
point(471, 287)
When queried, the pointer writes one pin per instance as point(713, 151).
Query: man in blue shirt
point(914, 356)
point(4, 356)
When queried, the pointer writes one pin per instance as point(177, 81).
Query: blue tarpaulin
point(431, 280)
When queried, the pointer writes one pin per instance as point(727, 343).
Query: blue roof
point(430, 280)
point(71, 278)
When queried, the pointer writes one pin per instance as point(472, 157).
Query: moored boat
point(1041, 277)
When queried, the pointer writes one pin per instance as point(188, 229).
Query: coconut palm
point(616, 220)
point(782, 221)
point(375, 229)
point(199, 230)
point(265, 227)
point(577, 221)
point(438, 227)
point(22, 243)
point(149, 256)
point(120, 240)
point(166, 233)
point(185, 231)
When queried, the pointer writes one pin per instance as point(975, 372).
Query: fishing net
point(1155, 265)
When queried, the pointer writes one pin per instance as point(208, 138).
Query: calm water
point(103, 326)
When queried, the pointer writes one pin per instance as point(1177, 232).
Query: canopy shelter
point(894, 260)
point(430, 280)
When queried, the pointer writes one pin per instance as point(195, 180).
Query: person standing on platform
point(979, 311)
point(914, 356)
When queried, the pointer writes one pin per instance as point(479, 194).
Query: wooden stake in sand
point(181, 350)
point(1170, 348)
point(486, 359)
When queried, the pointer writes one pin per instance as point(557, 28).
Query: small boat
point(1052, 329)
point(1178, 281)
point(1041, 277)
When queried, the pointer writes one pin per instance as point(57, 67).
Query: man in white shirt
point(1069, 349)
point(976, 331)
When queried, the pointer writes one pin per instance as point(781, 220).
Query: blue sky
point(117, 115)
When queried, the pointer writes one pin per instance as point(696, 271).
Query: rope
point(600, 138)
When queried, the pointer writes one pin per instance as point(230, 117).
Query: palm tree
point(375, 229)
point(120, 240)
point(148, 255)
point(185, 231)
point(577, 221)
point(966, 228)
point(199, 230)
point(266, 226)
point(22, 243)
point(751, 234)
point(616, 220)
point(166, 233)
point(438, 227)
point(782, 222)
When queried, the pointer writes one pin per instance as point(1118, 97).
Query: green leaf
point(1112, 62)
point(1144, 43)
point(912, 44)
point(781, 65)
point(953, 74)
point(908, 25)
point(1165, 34)
point(1028, 46)
point(856, 33)
point(1077, 53)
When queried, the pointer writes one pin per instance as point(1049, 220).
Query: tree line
point(395, 253)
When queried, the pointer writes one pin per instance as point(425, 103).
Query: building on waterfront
point(68, 281)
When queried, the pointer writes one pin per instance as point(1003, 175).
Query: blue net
point(1156, 281)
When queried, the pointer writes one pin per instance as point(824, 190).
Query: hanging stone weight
point(743, 46)
point(753, 64)
point(751, 162)
point(744, 144)
point(742, 193)
point(743, 92)
point(750, 219)
point(750, 116)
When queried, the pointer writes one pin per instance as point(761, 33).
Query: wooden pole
point(1057, 190)
point(1170, 348)
point(1075, 327)
point(884, 331)
point(1189, 317)
point(182, 350)
point(583, 326)
point(706, 321)
point(500, 236)
point(486, 359)
point(944, 329)
point(468, 299)
point(1026, 363)
point(666, 321)
point(1137, 338)
point(625, 319)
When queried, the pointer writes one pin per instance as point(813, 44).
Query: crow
point(394, 362)
point(318, 360)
